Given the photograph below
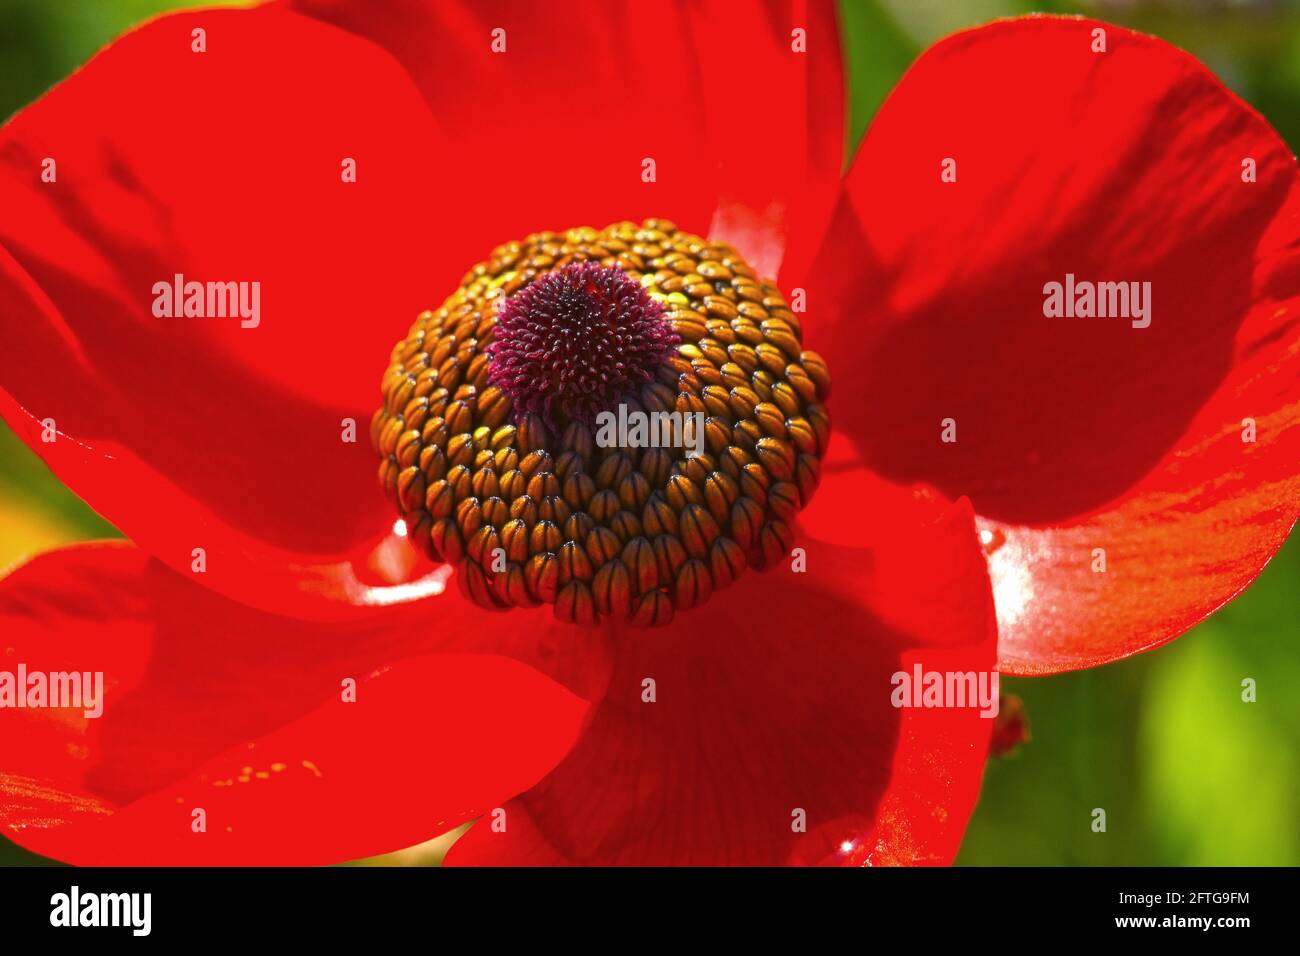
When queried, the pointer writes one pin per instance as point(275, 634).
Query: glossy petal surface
point(1075, 435)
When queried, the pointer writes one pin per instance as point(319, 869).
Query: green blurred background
point(1188, 774)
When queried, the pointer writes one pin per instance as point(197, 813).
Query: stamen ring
point(496, 461)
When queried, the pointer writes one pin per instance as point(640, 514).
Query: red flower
point(771, 700)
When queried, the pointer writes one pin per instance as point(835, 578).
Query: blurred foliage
point(876, 52)
point(1187, 772)
point(36, 512)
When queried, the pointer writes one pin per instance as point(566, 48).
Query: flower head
point(263, 583)
point(495, 457)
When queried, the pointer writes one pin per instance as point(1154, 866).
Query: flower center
point(575, 341)
point(497, 438)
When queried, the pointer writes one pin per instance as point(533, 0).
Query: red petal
point(1076, 434)
point(775, 198)
point(197, 432)
point(773, 698)
point(587, 90)
point(207, 704)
